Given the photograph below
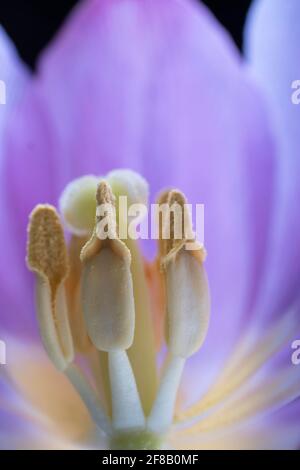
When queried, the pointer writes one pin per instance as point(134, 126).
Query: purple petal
point(19, 426)
point(272, 40)
point(279, 430)
point(13, 79)
point(159, 87)
point(38, 406)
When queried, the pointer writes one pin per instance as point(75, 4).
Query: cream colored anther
point(187, 292)
point(107, 291)
point(47, 257)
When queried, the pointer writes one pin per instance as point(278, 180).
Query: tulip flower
point(115, 344)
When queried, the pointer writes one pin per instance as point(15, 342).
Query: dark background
point(32, 23)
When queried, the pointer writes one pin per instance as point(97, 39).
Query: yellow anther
point(47, 257)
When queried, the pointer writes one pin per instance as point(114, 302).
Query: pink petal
point(13, 79)
point(272, 45)
point(157, 86)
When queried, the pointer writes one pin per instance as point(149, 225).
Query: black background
point(32, 23)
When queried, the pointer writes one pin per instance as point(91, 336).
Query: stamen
point(126, 405)
point(187, 305)
point(187, 293)
point(176, 231)
point(108, 304)
point(107, 290)
point(162, 412)
point(47, 257)
point(106, 300)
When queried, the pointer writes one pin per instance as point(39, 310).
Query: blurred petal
point(43, 423)
point(272, 39)
point(56, 404)
point(278, 431)
point(13, 78)
point(263, 414)
point(21, 425)
point(159, 87)
point(28, 177)
point(18, 434)
point(259, 354)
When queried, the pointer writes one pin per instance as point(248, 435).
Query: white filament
point(161, 415)
point(127, 412)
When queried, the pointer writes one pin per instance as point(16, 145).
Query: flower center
point(97, 306)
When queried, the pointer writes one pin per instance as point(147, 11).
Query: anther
point(47, 257)
point(187, 292)
point(107, 290)
point(108, 305)
point(187, 304)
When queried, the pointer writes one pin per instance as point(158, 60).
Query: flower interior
point(100, 305)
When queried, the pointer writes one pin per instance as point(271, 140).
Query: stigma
point(100, 305)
